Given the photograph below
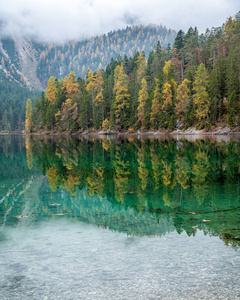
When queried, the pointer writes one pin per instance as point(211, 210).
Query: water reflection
point(148, 186)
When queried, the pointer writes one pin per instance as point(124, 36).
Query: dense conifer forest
point(13, 105)
point(195, 82)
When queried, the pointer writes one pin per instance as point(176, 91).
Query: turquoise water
point(119, 218)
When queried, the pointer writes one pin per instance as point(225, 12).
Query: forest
point(13, 105)
point(194, 82)
point(26, 65)
point(95, 53)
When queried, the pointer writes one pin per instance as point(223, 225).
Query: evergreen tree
point(156, 106)
point(217, 88)
point(179, 41)
point(5, 120)
point(233, 109)
point(233, 72)
point(157, 60)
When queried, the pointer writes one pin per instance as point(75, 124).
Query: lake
point(119, 218)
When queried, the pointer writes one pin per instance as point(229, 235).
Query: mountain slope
point(19, 60)
point(31, 64)
point(96, 53)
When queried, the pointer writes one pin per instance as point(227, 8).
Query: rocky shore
point(218, 130)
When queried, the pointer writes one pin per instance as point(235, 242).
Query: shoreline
point(220, 130)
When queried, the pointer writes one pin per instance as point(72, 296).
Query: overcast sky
point(61, 20)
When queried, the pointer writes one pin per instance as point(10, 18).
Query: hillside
point(96, 53)
point(19, 60)
point(31, 64)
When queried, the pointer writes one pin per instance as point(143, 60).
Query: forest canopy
point(194, 82)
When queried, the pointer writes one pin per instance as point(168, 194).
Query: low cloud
point(61, 20)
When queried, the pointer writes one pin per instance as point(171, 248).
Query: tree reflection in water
point(147, 186)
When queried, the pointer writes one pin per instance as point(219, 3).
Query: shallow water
point(119, 219)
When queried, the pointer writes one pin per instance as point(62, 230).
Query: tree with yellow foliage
point(182, 99)
point(28, 121)
point(72, 181)
point(169, 93)
point(72, 86)
point(167, 97)
point(183, 171)
point(201, 169)
point(229, 27)
point(121, 177)
point(201, 97)
point(95, 182)
point(156, 164)
point(68, 115)
point(141, 67)
point(122, 97)
point(29, 150)
point(142, 169)
point(98, 100)
point(166, 173)
point(142, 98)
point(53, 177)
point(51, 91)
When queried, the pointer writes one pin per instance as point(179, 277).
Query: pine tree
point(5, 120)
point(233, 72)
point(179, 41)
point(217, 88)
point(157, 60)
point(232, 109)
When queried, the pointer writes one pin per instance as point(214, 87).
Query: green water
point(119, 218)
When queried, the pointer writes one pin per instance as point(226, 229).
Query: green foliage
point(217, 88)
point(156, 106)
point(233, 109)
point(13, 105)
point(201, 98)
point(196, 82)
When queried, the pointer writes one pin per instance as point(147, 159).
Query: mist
point(60, 21)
